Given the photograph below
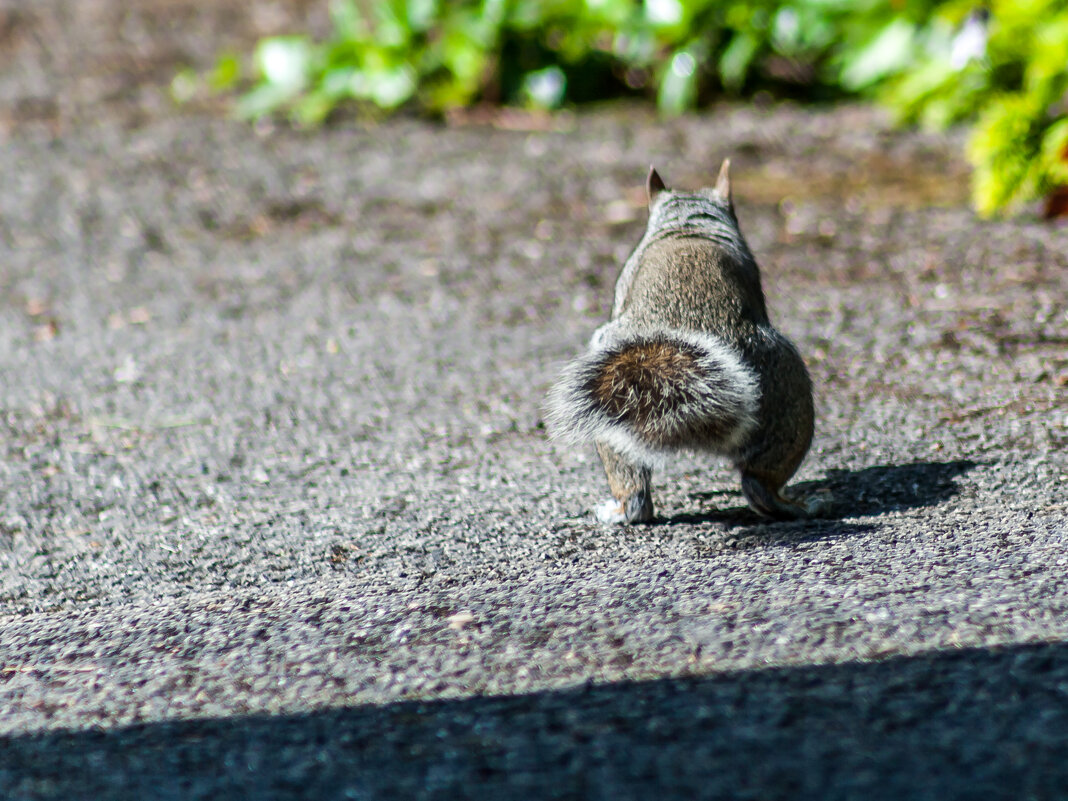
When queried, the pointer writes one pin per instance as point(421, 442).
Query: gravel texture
point(279, 518)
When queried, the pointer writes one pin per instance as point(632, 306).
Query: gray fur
point(689, 360)
point(719, 387)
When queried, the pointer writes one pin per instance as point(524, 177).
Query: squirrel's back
point(689, 360)
point(692, 283)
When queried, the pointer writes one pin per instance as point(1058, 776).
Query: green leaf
point(226, 72)
point(1055, 154)
point(390, 88)
point(313, 108)
point(1002, 149)
point(610, 12)
point(391, 29)
point(664, 13)
point(463, 55)
point(422, 14)
point(735, 61)
point(348, 22)
point(678, 84)
point(337, 83)
point(888, 53)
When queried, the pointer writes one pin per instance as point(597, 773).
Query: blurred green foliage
point(935, 62)
point(1014, 88)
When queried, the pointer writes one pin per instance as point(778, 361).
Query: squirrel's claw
point(638, 508)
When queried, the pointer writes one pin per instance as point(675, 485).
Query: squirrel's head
point(654, 186)
point(710, 208)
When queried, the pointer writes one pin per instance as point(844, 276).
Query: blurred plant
point(936, 62)
point(1005, 67)
point(541, 53)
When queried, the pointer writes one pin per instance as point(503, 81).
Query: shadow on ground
point(944, 725)
point(887, 488)
point(855, 493)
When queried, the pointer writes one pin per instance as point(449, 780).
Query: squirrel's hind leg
point(768, 501)
point(632, 489)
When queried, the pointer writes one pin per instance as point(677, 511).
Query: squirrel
point(689, 361)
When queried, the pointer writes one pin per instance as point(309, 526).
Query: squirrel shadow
point(854, 493)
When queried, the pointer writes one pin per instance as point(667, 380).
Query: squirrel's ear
point(654, 184)
point(723, 182)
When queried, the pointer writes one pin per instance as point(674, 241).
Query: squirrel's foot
point(610, 512)
point(818, 504)
point(638, 508)
point(770, 503)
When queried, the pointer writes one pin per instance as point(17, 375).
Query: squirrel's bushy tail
point(650, 393)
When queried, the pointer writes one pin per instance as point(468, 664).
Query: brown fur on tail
point(658, 392)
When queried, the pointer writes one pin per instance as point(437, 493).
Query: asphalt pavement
point(279, 517)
